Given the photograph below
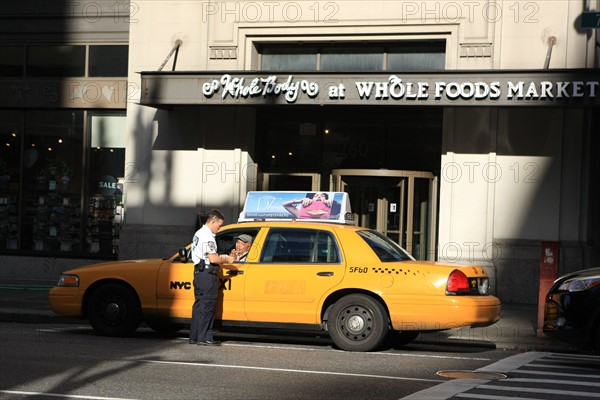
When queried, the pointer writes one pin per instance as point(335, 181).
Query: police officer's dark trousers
point(203, 311)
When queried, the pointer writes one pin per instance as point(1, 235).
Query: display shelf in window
point(9, 213)
point(54, 220)
point(104, 224)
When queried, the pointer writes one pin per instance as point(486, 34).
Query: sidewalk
point(27, 302)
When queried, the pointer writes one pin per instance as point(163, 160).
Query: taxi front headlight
point(579, 284)
point(68, 280)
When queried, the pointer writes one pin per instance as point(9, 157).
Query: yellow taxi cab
point(311, 271)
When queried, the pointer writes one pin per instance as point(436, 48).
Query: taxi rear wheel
point(358, 323)
point(113, 310)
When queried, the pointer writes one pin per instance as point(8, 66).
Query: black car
point(572, 312)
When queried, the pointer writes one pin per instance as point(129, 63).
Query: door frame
point(336, 185)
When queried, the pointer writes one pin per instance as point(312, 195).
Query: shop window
point(12, 60)
point(104, 217)
point(56, 60)
point(416, 56)
point(108, 61)
point(289, 59)
point(50, 204)
point(11, 136)
point(352, 59)
point(52, 179)
point(371, 56)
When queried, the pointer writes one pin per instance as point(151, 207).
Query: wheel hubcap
point(112, 310)
point(356, 322)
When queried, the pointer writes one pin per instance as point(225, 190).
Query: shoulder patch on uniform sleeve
point(212, 247)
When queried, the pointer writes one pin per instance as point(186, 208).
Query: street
point(71, 361)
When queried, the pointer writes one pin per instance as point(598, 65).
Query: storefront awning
point(576, 87)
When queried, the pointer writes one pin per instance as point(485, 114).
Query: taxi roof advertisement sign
point(305, 206)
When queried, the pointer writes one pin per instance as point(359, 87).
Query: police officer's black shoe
point(209, 343)
point(192, 341)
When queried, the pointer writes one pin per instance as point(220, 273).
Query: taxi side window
point(300, 246)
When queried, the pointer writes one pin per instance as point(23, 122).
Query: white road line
point(261, 346)
point(432, 356)
point(345, 352)
point(62, 330)
point(540, 391)
point(70, 396)
point(297, 371)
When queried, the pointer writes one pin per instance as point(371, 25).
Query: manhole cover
point(458, 374)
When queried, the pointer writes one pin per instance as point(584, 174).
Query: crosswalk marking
point(511, 363)
point(554, 381)
point(480, 396)
point(540, 390)
point(577, 357)
point(596, 376)
point(536, 365)
point(582, 378)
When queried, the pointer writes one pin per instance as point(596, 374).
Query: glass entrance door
point(401, 204)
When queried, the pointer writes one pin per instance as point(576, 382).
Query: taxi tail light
point(457, 283)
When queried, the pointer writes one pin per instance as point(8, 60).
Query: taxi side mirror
point(183, 254)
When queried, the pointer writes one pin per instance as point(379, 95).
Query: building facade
point(466, 131)
point(63, 76)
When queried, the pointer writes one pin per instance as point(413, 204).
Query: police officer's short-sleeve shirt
point(203, 244)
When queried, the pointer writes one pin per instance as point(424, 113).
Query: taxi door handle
point(324, 273)
point(235, 272)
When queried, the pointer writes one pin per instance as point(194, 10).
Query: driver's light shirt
point(203, 244)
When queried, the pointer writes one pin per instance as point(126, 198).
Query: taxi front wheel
point(113, 310)
point(358, 323)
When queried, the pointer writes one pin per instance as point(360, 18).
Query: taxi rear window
point(385, 248)
point(300, 246)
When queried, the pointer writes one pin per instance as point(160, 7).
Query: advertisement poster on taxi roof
point(323, 206)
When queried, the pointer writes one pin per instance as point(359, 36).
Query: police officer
point(206, 268)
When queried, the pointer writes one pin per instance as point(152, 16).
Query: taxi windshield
point(385, 248)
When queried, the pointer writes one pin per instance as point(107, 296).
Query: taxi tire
point(358, 323)
point(113, 310)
